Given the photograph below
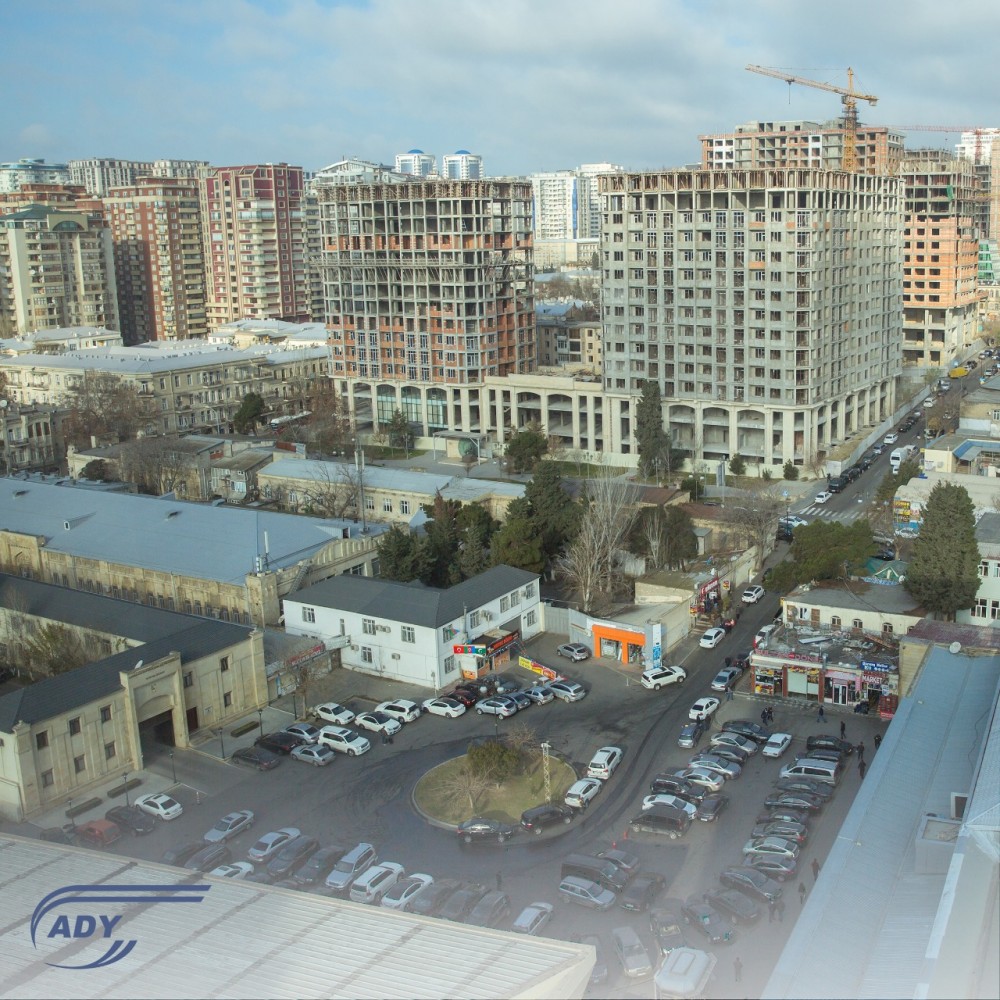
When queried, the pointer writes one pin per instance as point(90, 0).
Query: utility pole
point(546, 747)
point(359, 464)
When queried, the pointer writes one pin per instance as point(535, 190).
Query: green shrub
point(791, 471)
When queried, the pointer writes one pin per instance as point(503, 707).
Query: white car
point(532, 918)
point(306, 730)
point(336, 714)
point(376, 882)
point(405, 890)
point(654, 678)
point(604, 762)
point(448, 707)
point(498, 705)
point(763, 633)
point(230, 825)
point(568, 690)
point(674, 801)
point(235, 871)
point(318, 756)
point(581, 793)
point(726, 739)
point(792, 520)
point(271, 843)
point(160, 805)
point(400, 710)
point(822, 496)
point(929, 402)
point(540, 694)
point(343, 740)
point(703, 708)
point(712, 638)
point(891, 438)
point(753, 594)
point(378, 722)
point(776, 745)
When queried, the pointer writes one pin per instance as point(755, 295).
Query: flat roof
point(248, 940)
point(823, 645)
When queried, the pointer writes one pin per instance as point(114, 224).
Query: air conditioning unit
point(382, 628)
point(354, 648)
point(487, 616)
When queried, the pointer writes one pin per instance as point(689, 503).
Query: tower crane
point(976, 130)
point(849, 97)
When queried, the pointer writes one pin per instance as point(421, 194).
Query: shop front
point(491, 653)
point(842, 687)
point(769, 681)
point(622, 644)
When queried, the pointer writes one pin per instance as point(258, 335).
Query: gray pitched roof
point(413, 603)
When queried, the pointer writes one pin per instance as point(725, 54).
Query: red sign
point(502, 643)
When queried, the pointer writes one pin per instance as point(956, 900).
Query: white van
point(827, 771)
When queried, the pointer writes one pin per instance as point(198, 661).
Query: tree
point(334, 490)
point(104, 406)
point(525, 449)
point(97, 471)
point(154, 464)
point(825, 550)
point(476, 530)
point(737, 466)
point(462, 784)
point(755, 514)
point(494, 759)
point(399, 432)
point(54, 649)
point(556, 515)
point(329, 427)
point(656, 449)
point(249, 414)
point(442, 542)
point(402, 556)
point(791, 471)
point(519, 542)
point(681, 541)
point(943, 573)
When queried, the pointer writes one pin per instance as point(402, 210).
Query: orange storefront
point(623, 644)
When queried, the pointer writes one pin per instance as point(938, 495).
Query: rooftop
point(858, 596)
point(829, 647)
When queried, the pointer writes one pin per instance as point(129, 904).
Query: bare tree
point(305, 676)
point(654, 534)
point(154, 465)
point(104, 405)
point(335, 490)
point(590, 563)
point(754, 514)
point(462, 784)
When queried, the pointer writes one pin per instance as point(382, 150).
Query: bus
point(278, 423)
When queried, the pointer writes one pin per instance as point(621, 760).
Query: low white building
point(986, 610)
point(408, 632)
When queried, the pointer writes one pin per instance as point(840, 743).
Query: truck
point(900, 455)
point(959, 372)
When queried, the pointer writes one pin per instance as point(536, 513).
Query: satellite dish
point(139, 664)
point(955, 647)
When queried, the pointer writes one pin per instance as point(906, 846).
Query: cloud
point(37, 138)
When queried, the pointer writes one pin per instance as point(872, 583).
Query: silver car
point(717, 765)
point(230, 825)
point(631, 953)
point(586, 893)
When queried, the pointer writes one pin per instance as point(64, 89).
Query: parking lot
point(367, 798)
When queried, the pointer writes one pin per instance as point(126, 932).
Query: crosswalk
point(821, 511)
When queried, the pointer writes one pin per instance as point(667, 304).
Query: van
point(599, 870)
point(897, 457)
point(685, 972)
point(663, 820)
point(837, 484)
point(827, 771)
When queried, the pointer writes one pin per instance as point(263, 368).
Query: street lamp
point(260, 719)
point(125, 786)
point(222, 745)
point(173, 767)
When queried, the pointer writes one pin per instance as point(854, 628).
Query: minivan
point(827, 771)
point(662, 820)
point(605, 873)
point(350, 866)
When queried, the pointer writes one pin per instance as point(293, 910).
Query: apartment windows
point(387, 506)
point(835, 621)
point(530, 618)
point(110, 750)
point(188, 679)
point(857, 623)
point(515, 599)
point(41, 740)
point(74, 727)
point(366, 655)
point(407, 633)
point(227, 699)
point(224, 664)
point(105, 713)
point(474, 619)
point(48, 779)
point(368, 626)
point(449, 664)
point(504, 605)
point(404, 506)
point(80, 764)
point(309, 614)
point(529, 590)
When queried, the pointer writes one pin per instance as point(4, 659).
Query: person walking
point(499, 881)
point(738, 968)
point(729, 662)
point(843, 729)
point(878, 740)
point(763, 716)
point(729, 693)
point(802, 893)
point(770, 715)
point(821, 715)
point(861, 750)
point(861, 769)
point(770, 911)
point(815, 868)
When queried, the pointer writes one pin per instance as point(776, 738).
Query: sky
point(530, 85)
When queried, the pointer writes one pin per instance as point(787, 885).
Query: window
point(309, 614)
point(835, 621)
point(529, 590)
point(407, 634)
point(41, 740)
point(227, 699)
point(515, 599)
point(404, 506)
point(74, 727)
point(449, 667)
point(224, 664)
point(504, 605)
point(530, 618)
point(109, 751)
point(368, 626)
point(48, 779)
point(474, 620)
point(80, 764)
point(366, 655)
point(387, 506)
point(188, 679)
point(886, 628)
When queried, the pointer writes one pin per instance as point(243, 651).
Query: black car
point(733, 754)
point(751, 881)
point(784, 533)
point(131, 818)
point(176, 856)
point(710, 807)
point(640, 893)
point(320, 865)
point(784, 813)
point(707, 921)
point(886, 554)
point(823, 742)
point(794, 800)
point(428, 903)
point(489, 910)
point(867, 462)
point(663, 820)
point(691, 733)
point(296, 852)
point(468, 696)
point(622, 860)
point(58, 834)
point(480, 828)
point(731, 902)
point(256, 757)
point(751, 730)
point(824, 753)
point(796, 832)
point(209, 857)
point(280, 742)
point(666, 927)
point(539, 818)
point(664, 784)
point(459, 903)
point(807, 785)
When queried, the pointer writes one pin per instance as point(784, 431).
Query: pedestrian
point(729, 693)
point(499, 881)
point(843, 729)
point(729, 662)
point(738, 968)
point(821, 715)
point(861, 750)
point(802, 893)
point(815, 868)
point(878, 740)
point(861, 769)
point(763, 716)
point(770, 911)
point(780, 907)
point(770, 715)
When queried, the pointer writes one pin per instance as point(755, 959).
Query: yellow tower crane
point(849, 98)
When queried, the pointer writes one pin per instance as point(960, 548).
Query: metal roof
point(246, 940)
point(412, 603)
point(170, 536)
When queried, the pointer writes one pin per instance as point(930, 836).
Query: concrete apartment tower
point(462, 166)
point(56, 270)
point(417, 163)
point(765, 304)
point(159, 259)
point(427, 292)
point(256, 244)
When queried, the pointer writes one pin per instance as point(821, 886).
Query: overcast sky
point(539, 85)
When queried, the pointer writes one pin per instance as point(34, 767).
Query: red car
point(468, 696)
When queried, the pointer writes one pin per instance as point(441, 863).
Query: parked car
point(406, 891)
point(792, 520)
point(132, 819)
point(498, 705)
point(733, 905)
point(466, 696)
point(640, 893)
point(624, 861)
point(752, 882)
point(772, 866)
point(777, 744)
point(599, 973)
point(691, 733)
point(581, 793)
point(664, 821)
point(256, 757)
point(822, 496)
point(574, 651)
point(707, 921)
point(428, 902)
point(568, 690)
point(749, 730)
point(602, 765)
point(98, 833)
point(540, 818)
point(236, 871)
point(890, 438)
point(479, 828)
point(294, 854)
point(269, 845)
point(703, 708)
point(532, 918)
point(319, 865)
point(210, 856)
point(279, 742)
point(502, 683)
point(784, 813)
point(333, 713)
point(631, 952)
point(793, 800)
point(540, 694)
point(763, 633)
point(400, 709)
point(771, 846)
point(306, 730)
point(699, 776)
point(677, 786)
point(357, 860)
point(716, 765)
point(520, 699)
point(666, 927)
point(176, 856)
point(318, 756)
point(710, 807)
point(584, 892)
point(450, 708)
point(378, 722)
point(229, 826)
point(753, 594)
point(795, 832)
point(726, 678)
point(375, 882)
point(807, 785)
point(732, 739)
point(654, 678)
point(673, 801)
point(828, 742)
point(160, 805)
point(460, 903)
point(343, 740)
point(732, 754)
point(712, 638)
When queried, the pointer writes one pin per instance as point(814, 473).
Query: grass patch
point(505, 803)
point(583, 470)
point(377, 451)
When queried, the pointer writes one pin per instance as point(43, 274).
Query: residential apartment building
point(59, 340)
point(256, 244)
point(417, 163)
point(986, 610)
point(940, 282)
point(765, 304)
point(801, 145)
point(13, 176)
point(462, 166)
point(569, 333)
point(30, 438)
point(98, 175)
point(427, 291)
point(159, 259)
point(56, 270)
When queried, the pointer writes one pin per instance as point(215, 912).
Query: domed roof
point(462, 152)
point(417, 151)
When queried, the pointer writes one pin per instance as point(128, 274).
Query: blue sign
point(872, 665)
point(81, 924)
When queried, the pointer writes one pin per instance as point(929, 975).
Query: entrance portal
point(157, 731)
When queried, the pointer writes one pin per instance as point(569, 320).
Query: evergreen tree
point(402, 556)
point(649, 433)
point(944, 571)
point(681, 541)
point(555, 514)
point(525, 449)
point(246, 418)
point(518, 542)
point(442, 542)
point(399, 432)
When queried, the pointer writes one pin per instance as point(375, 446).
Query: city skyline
point(528, 87)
